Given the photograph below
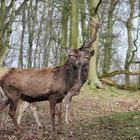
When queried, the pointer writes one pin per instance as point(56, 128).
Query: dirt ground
point(87, 107)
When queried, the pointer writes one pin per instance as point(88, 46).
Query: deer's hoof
point(40, 126)
point(68, 121)
point(20, 131)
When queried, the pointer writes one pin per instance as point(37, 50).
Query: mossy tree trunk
point(5, 28)
point(20, 59)
point(139, 79)
point(64, 28)
point(83, 20)
point(129, 58)
point(74, 39)
point(92, 75)
point(7, 17)
point(32, 12)
point(48, 34)
point(109, 38)
point(139, 63)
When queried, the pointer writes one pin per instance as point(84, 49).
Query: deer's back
point(34, 83)
point(3, 71)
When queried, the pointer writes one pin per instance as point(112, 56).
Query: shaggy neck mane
point(70, 74)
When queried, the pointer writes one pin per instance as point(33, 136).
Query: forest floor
point(103, 114)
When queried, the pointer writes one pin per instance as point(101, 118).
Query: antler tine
point(82, 46)
point(91, 23)
point(94, 19)
point(96, 26)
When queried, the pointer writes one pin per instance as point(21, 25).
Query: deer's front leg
point(59, 112)
point(52, 104)
point(73, 91)
point(67, 111)
point(68, 118)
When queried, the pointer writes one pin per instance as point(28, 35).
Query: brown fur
point(3, 71)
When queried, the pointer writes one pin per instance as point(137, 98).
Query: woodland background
point(39, 33)
point(36, 33)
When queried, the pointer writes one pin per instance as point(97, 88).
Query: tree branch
point(10, 21)
point(117, 72)
point(21, 7)
point(10, 6)
point(97, 7)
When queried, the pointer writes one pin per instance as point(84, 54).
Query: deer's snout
point(78, 63)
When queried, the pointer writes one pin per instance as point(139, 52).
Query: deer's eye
point(87, 57)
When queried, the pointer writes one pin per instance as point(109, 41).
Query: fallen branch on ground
point(117, 72)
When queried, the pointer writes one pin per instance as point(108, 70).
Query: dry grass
point(90, 117)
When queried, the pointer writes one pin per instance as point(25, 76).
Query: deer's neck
point(70, 74)
point(84, 73)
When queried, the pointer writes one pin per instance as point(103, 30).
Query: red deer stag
point(34, 85)
point(82, 74)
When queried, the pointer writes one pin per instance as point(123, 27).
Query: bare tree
point(8, 13)
point(130, 50)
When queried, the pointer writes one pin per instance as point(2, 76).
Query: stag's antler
point(96, 26)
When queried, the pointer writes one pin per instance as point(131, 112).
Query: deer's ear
point(92, 52)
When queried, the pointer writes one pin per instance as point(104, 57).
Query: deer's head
point(74, 57)
point(78, 57)
point(85, 57)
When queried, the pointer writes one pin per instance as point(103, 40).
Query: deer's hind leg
point(22, 107)
point(52, 104)
point(34, 110)
point(13, 96)
point(59, 112)
point(12, 113)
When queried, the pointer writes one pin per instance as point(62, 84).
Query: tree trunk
point(93, 79)
point(4, 31)
point(128, 59)
point(139, 79)
point(36, 52)
point(64, 26)
point(92, 75)
point(109, 38)
point(32, 12)
point(74, 24)
point(83, 21)
point(7, 15)
point(20, 61)
point(47, 38)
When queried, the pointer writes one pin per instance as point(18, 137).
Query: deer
point(82, 78)
point(22, 105)
point(46, 84)
point(83, 73)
